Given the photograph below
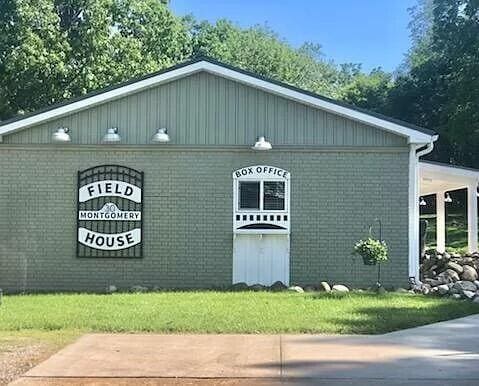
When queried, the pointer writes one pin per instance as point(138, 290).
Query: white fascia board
point(412, 135)
point(447, 173)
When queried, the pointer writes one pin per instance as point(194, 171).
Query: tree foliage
point(441, 89)
point(51, 50)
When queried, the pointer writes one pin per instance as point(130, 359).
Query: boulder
point(401, 290)
point(469, 273)
point(257, 287)
point(443, 289)
point(309, 288)
point(296, 288)
point(426, 289)
point(476, 282)
point(476, 300)
point(381, 290)
point(138, 288)
point(340, 288)
point(463, 285)
point(241, 286)
point(111, 289)
point(434, 282)
point(454, 266)
point(278, 286)
point(468, 294)
point(449, 275)
point(324, 286)
point(456, 296)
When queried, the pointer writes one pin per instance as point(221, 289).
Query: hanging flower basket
point(372, 251)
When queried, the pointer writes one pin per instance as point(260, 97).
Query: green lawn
point(226, 312)
point(456, 232)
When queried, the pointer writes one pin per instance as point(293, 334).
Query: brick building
point(165, 181)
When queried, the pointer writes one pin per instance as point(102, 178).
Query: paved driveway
point(444, 353)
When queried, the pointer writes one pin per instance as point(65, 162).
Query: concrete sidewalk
point(444, 353)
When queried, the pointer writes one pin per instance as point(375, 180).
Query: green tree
point(260, 50)
point(441, 89)
point(55, 49)
point(368, 91)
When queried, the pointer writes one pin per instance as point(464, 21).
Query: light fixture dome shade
point(161, 136)
point(61, 135)
point(111, 136)
point(262, 144)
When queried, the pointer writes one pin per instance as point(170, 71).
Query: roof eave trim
point(413, 136)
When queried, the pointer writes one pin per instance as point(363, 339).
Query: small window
point(249, 195)
point(273, 195)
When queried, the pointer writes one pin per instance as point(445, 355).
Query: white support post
point(440, 222)
point(413, 214)
point(472, 217)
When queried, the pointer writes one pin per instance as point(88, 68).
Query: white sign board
point(107, 241)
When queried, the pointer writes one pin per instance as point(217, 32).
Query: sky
point(372, 32)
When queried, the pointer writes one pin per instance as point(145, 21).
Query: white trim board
point(413, 136)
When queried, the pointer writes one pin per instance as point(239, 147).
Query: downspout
point(429, 147)
point(415, 153)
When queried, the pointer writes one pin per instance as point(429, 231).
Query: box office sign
point(109, 216)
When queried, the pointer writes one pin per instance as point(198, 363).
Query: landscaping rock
point(257, 287)
point(468, 294)
point(465, 286)
point(111, 289)
point(469, 273)
point(434, 282)
point(309, 288)
point(381, 290)
point(426, 289)
point(278, 286)
point(296, 288)
point(139, 288)
point(340, 288)
point(239, 287)
point(324, 286)
point(449, 275)
point(443, 289)
point(476, 300)
point(456, 296)
point(454, 266)
point(401, 290)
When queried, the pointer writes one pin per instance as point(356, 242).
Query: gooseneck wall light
point(422, 201)
point(448, 198)
point(161, 136)
point(111, 136)
point(262, 144)
point(61, 135)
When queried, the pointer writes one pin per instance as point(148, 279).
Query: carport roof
point(440, 177)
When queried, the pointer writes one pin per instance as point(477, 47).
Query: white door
point(261, 259)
